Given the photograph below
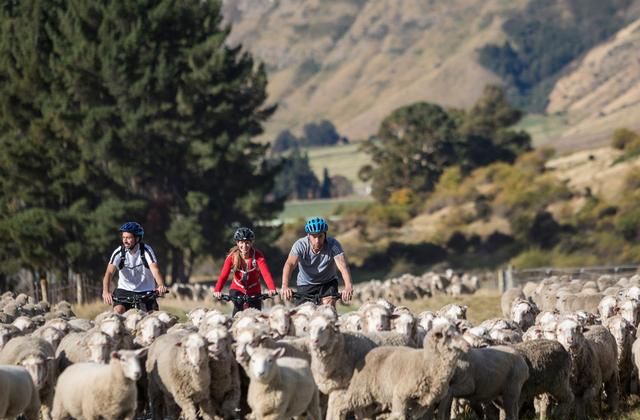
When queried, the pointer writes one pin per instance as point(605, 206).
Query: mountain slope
point(354, 61)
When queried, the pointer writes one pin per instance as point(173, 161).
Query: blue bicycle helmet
point(316, 225)
point(133, 227)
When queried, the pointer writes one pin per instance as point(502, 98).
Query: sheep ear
point(142, 352)
point(394, 316)
point(279, 352)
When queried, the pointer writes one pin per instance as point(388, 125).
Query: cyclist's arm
point(289, 266)
point(222, 278)
point(266, 274)
point(155, 270)
point(343, 267)
point(106, 284)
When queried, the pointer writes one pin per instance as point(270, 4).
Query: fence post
point(44, 289)
point(79, 289)
point(501, 284)
point(509, 277)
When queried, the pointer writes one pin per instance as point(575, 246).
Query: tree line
point(126, 110)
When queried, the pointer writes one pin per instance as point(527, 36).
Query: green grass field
point(302, 209)
point(343, 160)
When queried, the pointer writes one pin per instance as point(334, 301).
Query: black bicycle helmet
point(133, 227)
point(244, 234)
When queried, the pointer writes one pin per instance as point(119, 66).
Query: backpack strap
point(142, 252)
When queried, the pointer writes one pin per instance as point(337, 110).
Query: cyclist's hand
point(217, 295)
point(107, 298)
point(347, 293)
point(286, 293)
point(162, 289)
point(273, 292)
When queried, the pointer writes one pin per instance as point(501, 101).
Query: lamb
point(178, 373)
point(37, 356)
point(19, 394)
point(549, 373)
point(281, 387)
point(90, 346)
point(488, 374)
point(408, 381)
point(92, 390)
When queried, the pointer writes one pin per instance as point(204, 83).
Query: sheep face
point(52, 336)
point(300, 323)
point(196, 316)
point(633, 293)
point(263, 364)
point(113, 327)
point(376, 318)
point(6, 334)
point(132, 319)
point(219, 342)
point(148, 330)
point(194, 349)
point(99, 345)
point(629, 310)
point(569, 334)
point(129, 361)
point(245, 339)
point(24, 324)
point(524, 313)
point(38, 368)
point(404, 324)
point(321, 331)
point(622, 331)
point(280, 320)
point(351, 321)
point(444, 337)
point(606, 307)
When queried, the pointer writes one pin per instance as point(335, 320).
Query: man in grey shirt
point(319, 258)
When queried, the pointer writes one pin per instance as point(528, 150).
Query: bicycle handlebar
point(151, 294)
point(246, 298)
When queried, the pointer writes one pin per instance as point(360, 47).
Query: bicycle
point(138, 301)
point(245, 300)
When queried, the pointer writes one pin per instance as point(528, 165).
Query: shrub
point(622, 137)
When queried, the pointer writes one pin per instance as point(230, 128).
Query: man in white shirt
point(138, 272)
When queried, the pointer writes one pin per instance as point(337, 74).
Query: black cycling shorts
point(126, 299)
point(315, 292)
point(239, 306)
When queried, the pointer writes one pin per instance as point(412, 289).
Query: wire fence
point(516, 278)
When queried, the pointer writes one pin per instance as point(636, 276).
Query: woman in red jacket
point(247, 264)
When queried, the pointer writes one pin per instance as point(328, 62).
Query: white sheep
point(92, 390)
point(408, 381)
point(19, 395)
point(178, 374)
point(88, 346)
point(281, 387)
point(225, 374)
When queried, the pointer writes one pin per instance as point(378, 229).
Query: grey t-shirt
point(316, 268)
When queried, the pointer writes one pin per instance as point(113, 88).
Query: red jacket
point(256, 265)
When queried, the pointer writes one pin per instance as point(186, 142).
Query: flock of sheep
point(406, 287)
point(564, 348)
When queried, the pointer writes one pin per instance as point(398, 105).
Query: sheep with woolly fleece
point(488, 374)
point(7, 332)
point(225, 387)
point(147, 330)
point(624, 334)
point(253, 337)
point(89, 346)
point(113, 326)
point(453, 311)
point(178, 376)
point(131, 319)
point(95, 390)
point(351, 321)
point(606, 349)
point(523, 313)
point(19, 394)
point(409, 382)
point(50, 334)
point(586, 377)
point(549, 375)
point(375, 318)
point(281, 387)
point(606, 307)
point(335, 355)
point(38, 357)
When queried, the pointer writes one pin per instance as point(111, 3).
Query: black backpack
point(142, 252)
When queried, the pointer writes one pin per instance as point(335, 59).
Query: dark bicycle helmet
point(316, 225)
point(133, 227)
point(244, 234)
